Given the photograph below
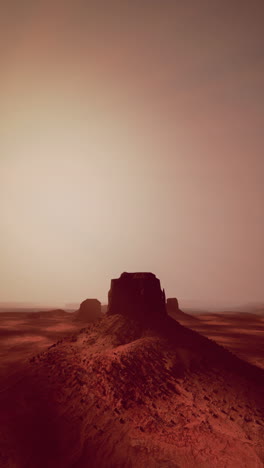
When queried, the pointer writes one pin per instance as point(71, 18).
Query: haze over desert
point(131, 234)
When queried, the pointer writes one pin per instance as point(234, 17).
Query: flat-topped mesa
point(137, 295)
point(89, 310)
point(172, 304)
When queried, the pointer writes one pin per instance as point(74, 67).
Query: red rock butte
point(89, 310)
point(137, 295)
point(172, 304)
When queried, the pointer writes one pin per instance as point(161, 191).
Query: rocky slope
point(126, 393)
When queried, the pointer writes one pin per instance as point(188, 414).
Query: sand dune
point(124, 393)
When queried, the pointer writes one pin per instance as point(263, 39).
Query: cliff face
point(137, 295)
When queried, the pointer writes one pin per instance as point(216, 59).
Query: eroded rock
point(173, 304)
point(136, 294)
point(89, 310)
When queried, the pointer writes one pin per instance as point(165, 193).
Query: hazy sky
point(131, 139)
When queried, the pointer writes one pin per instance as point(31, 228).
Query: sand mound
point(126, 393)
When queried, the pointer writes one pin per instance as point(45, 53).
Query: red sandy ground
point(126, 394)
point(23, 334)
point(242, 333)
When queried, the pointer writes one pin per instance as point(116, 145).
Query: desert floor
point(24, 334)
point(241, 333)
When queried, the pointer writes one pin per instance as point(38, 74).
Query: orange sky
point(131, 138)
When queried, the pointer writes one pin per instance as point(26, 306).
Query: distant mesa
point(89, 310)
point(172, 304)
point(137, 295)
point(176, 313)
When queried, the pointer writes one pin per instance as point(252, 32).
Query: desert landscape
point(131, 234)
point(138, 386)
point(24, 333)
point(239, 332)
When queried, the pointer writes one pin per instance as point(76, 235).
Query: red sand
point(242, 333)
point(23, 334)
point(123, 394)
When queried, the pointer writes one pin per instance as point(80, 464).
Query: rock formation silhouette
point(89, 310)
point(172, 304)
point(137, 295)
